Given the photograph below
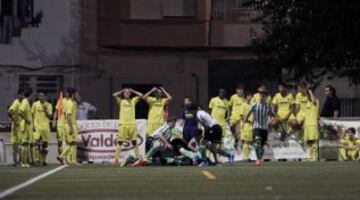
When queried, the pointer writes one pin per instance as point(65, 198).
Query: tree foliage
point(311, 39)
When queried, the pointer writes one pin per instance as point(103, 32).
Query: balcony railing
point(234, 15)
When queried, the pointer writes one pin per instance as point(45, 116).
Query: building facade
point(191, 47)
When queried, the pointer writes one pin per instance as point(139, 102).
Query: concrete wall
point(54, 42)
point(172, 70)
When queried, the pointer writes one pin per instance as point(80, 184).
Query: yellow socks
point(117, 152)
point(245, 151)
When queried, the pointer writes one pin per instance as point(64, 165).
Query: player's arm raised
point(118, 93)
point(149, 93)
point(137, 93)
point(168, 96)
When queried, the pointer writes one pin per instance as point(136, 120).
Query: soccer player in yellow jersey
point(156, 108)
point(256, 98)
point(301, 100)
point(311, 131)
point(246, 133)
point(13, 113)
point(283, 102)
point(236, 100)
point(127, 124)
point(69, 154)
point(26, 127)
point(59, 121)
point(219, 109)
point(353, 145)
point(42, 112)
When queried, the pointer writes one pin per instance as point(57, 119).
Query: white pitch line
point(9, 191)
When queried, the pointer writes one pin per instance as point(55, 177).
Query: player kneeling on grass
point(262, 111)
point(69, 154)
point(169, 142)
point(349, 145)
point(311, 131)
point(42, 111)
point(211, 137)
point(127, 124)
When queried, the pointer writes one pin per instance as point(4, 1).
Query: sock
point(187, 153)
point(15, 152)
point(60, 147)
point(259, 149)
point(342, 154)
point(137, 151)
point(37, 153)
point(202, 150)
point(314, 151)
point(169, 160)
point(73, 153)
point(44, 155)
point(65, 152)
point(117, 152)
point(24, 151)
point(222, 152)
point(245, 151)
point(152, 152)
point(309, 151)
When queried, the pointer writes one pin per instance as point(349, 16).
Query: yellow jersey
point(256, 99)
point(41, 121)
point(312, 113)
point(70, 109)
point(244, 110)
point(156, 109)
point(26, 109)
point(283, 104)
point(301, 100)
point(235, 104)
point(15, 106)
point(127, 110)
point(219, 108)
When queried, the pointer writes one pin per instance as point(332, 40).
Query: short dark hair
point(21, 91)
point(71, 91)
point(240, 86)
point(302, 84)
point(188, 97)
point(332, 89)
point(28, 92)
point(172, 119)
point(352, 130)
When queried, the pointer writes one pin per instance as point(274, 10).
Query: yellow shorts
point(311, 132)
point(151, 127)
point(15, 133)
point(61, 133)
point(27, 135)
point(74, 136)
point(127, 131)
point(43, 134)
point(246, 133)
point(234, 120)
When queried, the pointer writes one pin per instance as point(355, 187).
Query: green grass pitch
point(273, 180)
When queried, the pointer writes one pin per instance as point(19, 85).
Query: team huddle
point(197, 140)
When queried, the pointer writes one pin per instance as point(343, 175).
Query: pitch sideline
point(31, 181)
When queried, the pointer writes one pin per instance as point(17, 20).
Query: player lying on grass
point(349, 145)
point(211, 137)
point(169, 143)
